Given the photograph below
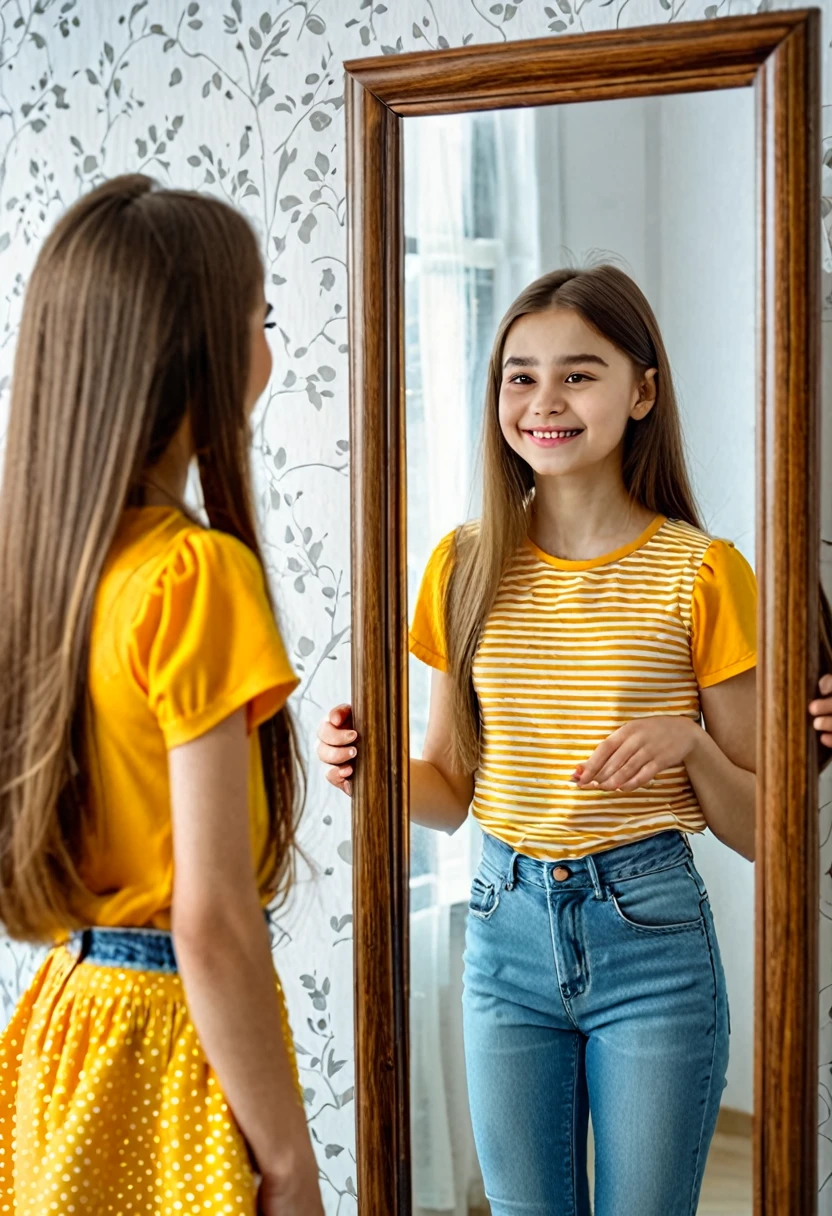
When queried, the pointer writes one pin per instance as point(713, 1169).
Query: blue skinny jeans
point(593, 986)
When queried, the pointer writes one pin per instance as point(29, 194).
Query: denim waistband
point(139, 949)
point(658, 852)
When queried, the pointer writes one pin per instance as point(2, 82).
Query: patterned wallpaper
point(245, 99)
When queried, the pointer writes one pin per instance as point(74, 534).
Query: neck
point(585, 515)
point(168, 478)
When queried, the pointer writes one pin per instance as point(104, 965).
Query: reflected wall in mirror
point(594, 990)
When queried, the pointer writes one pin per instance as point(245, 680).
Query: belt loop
point(593, 873)
point(686, 843)
point(510, 872)
point(80, 944)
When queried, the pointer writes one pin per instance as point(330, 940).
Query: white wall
point(667, 185)
point(707, 311)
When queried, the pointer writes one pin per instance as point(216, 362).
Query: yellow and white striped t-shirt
point(571, 651)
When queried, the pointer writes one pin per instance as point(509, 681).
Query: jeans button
point(560, 873)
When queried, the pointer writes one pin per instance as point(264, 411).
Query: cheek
point(509, 413)
point(604, 414)
point(261, 363)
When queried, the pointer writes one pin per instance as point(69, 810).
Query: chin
point(555, 464)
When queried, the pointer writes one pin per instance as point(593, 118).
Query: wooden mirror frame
point(779, 55)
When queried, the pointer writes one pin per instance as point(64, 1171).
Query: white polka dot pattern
point(108, 1104)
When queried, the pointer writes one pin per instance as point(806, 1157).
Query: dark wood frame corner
point(779, 55)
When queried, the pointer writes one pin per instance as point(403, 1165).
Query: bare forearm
point(726, 793)
point(230, 984)
point(434, 801)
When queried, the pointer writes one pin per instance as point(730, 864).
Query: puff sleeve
point(723, 616)
point(205, 642)
point(427, 631)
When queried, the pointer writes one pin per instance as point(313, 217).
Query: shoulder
point(724, 568)
point(427, 630)
point(682, 540)
point(442, 559)
point(708, 557)
point(443, 551)
point(201, 562)
point(208, 549)
point(203, 579)
point(465, 534)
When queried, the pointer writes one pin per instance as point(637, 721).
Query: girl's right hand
point(337, 747)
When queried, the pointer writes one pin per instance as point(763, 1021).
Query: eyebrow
point(563, 361)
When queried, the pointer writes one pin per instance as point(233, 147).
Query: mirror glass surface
point(663, 188)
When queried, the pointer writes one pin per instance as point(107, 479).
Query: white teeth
point(554, 434)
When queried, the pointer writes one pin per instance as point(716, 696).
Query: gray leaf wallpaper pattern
point(245, 100)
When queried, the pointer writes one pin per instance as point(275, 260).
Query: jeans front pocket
point(664, 901)
point(484, 898)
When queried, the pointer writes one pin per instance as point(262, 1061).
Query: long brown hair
point(654, 469)
point(136, 313)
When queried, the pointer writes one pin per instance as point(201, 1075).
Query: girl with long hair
point(150, 787)
point(578, 632)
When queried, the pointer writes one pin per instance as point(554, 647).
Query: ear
point(645, 395)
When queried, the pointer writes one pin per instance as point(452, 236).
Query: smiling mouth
point(549, 438)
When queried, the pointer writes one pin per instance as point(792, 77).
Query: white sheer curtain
point(518, 211)
point(472, 227)
point(443, 155)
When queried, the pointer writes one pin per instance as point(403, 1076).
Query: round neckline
point(562, 563)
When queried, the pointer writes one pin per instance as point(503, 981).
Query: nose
point(547, 407)
point(548, 400)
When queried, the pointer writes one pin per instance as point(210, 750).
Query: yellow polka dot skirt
point(108, 1104)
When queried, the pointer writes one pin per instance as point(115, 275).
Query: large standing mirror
point(542, 1025)
point(664, 188)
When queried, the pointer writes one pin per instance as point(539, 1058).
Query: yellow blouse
point(573, 650)
point(182, 637)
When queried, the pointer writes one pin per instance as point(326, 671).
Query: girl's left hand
point(821, 711)
point(634, 754)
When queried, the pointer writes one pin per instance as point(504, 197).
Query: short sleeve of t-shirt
point(723, 616)
point(205, 642)
point(427, 631)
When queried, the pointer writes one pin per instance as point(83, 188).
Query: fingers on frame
point(336, 755)
point(336, 738)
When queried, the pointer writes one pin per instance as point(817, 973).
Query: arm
point(439, 795)
point(222, 946)
point(722, 763)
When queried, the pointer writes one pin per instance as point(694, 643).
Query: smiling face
point(567, 393)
